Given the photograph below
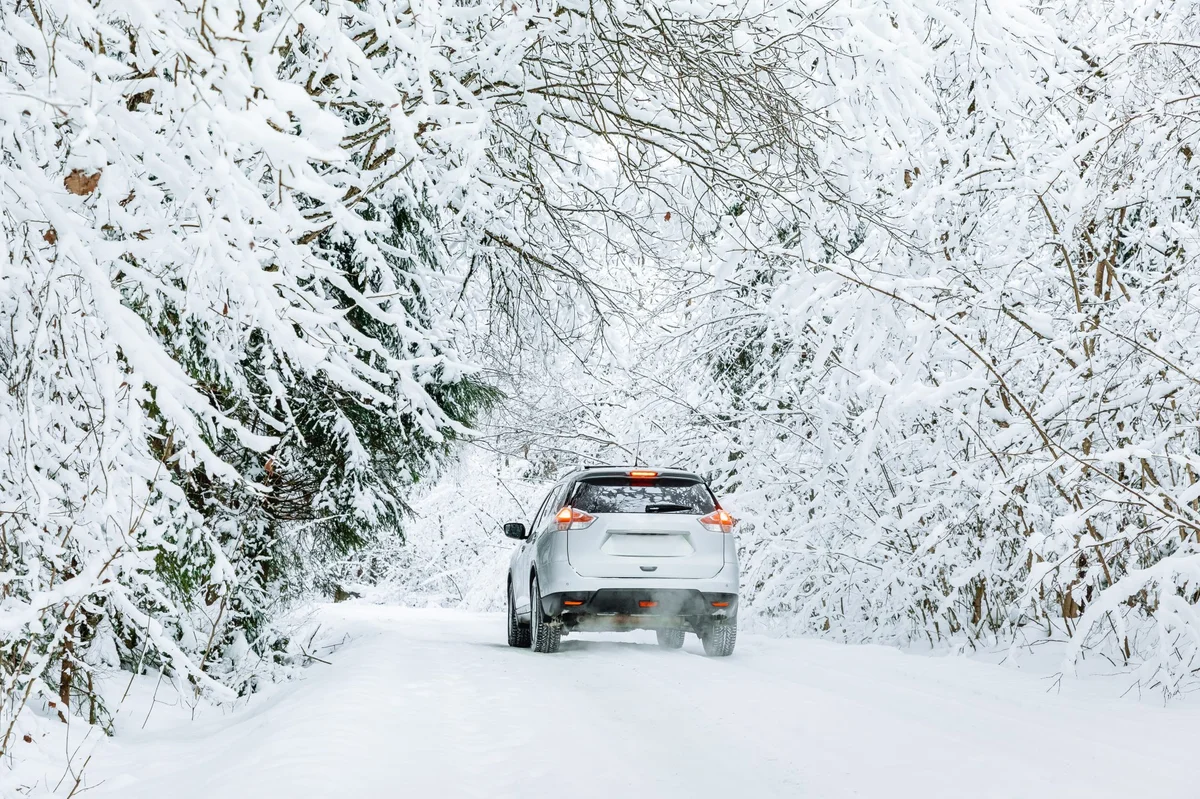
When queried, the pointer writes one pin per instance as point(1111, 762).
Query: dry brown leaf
point(51, 236)
point(134, 100)
point(81, 183)
point(667, 216)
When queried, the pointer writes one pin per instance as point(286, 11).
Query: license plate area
point(647, 545)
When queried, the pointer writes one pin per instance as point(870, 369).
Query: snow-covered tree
point(969, 417)
point(226, 306)
point(945, 372)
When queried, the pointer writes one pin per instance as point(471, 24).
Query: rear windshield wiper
point(667, 507)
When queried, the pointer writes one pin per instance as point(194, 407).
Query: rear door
point(523, 556)
point(644, 527)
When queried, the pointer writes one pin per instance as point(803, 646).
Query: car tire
point(544, 635)
point(518, 633)
point(719, 638)
point(670, 639)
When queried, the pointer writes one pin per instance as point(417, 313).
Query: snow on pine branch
point(197, 201)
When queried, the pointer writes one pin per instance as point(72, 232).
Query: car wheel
point(544, 636)
point(518, 633)
point(719, 638)
point(670, 639)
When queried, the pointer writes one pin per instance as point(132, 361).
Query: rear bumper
point(558, 577)
point(639, 608)
point(613, 603)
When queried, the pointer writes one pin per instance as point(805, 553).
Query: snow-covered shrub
point(453, 553)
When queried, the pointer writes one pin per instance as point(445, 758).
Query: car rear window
point(619, 494)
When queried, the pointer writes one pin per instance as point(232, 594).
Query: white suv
point(624, 548)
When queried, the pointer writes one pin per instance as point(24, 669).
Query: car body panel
point(644, 545)
point(540, 546)
point(559, 577)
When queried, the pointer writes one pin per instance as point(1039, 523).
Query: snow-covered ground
point(432, 703)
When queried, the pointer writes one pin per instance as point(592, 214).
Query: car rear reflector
point(646, 603)
point(719, 521)
point(643, 474)
point(720, 604)
point(574, 603)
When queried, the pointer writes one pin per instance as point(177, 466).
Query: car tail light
point(643, 474)
point(720, 604)
point(647, 603)
point(573, 519)
point(719, 521)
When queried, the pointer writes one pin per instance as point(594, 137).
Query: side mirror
point(515, 530)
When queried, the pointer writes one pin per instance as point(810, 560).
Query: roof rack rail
point(636, 466)
point(576, 467)
point(582, 467)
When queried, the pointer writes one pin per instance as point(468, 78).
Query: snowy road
point(433, 704)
